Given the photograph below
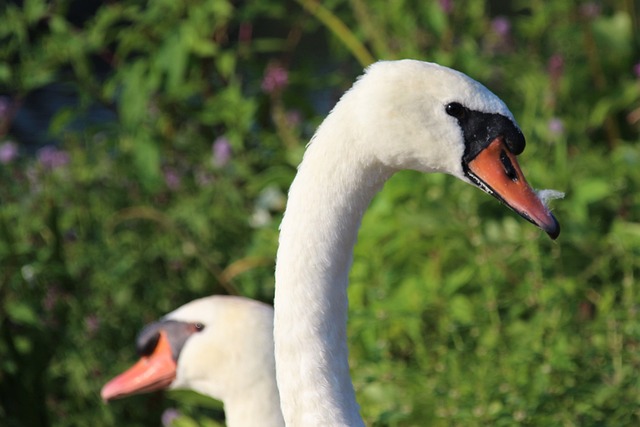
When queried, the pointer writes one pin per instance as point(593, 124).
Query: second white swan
point(399, 115)
point(220, 346)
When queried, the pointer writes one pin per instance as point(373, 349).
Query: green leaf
point(5, 72)
point(135, 94)
point(172, 58)
point(34, 10)
point(461, 309)
point(184, 421)
point(614, 34)
point(226, 63)
point(591, 190)
point(146, 155)
point(22, 313)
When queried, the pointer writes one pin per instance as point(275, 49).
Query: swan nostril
point(147, 347)
point(508, 166)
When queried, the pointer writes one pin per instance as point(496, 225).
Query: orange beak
point(496, 171)
point(154, 372)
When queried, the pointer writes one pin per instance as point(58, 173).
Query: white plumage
point(395, 117)
point(230, 359)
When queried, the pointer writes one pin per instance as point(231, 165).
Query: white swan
point(220, 346)
point(399, 115)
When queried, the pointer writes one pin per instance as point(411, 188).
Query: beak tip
point(105, 395)
point(553, 229)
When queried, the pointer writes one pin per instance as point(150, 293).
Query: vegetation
point(146, 149)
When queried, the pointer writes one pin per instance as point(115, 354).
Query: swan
point(219, 346)
point(399, 115)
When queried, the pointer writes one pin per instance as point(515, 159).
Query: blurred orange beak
point(154, 372)
point(496, 171)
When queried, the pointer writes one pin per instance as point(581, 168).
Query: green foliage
point(461, 313)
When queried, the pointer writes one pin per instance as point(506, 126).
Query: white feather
point(231, 359)
point(392, 118)
point(546, 196)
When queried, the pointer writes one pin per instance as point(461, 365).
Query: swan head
point(209, 345)
point(422, 116)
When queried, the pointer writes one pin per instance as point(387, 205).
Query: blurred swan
point(219, 346)
point(399, 115)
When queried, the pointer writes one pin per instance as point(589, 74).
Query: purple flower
point(636, 70)
point(169, 416)
point(221, 151)
point(203, 178)
point(590, 10)
point(555, 66)
point(275, 79)
point(5, 106)
point(556, 126)
point(446, 6)
point(501, 26)
point(51, 298)
point(92, 323)
point(172, 178)
point(293, 118)
point(244, 32)
point(8, 152)
point(51, 158)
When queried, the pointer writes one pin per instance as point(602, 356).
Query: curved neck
point(327, 200)
point(256, 406)
point(246, 385)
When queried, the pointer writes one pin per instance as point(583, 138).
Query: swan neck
point(326, 203)
point(249, 394)
point(254, 407)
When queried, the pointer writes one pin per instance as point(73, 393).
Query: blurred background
point(146, 149)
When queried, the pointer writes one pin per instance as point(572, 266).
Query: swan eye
point(455, 109)
point(198, 326)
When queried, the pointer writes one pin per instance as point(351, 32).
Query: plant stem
point(338, 28)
